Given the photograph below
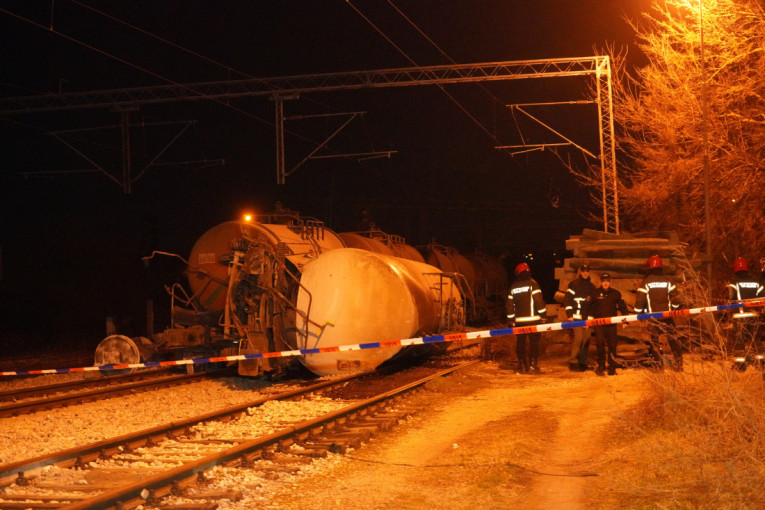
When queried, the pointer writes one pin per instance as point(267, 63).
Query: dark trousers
point(606, 336)
point(657, 327)
point(520, 344)
point(580, 346)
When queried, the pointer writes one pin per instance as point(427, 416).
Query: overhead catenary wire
point(200, 56)
point(442, 52)
point(158, 38)
point(173, 44)
point(123, 61)
point(52, 29)
point(412, 61)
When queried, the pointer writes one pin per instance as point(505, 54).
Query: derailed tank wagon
point(484, 277)
point(291, 283)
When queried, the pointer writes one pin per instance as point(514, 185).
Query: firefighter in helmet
point(746, 321)
point(657, 293)
point(526, 307)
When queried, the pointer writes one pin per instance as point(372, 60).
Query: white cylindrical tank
point(351, 296)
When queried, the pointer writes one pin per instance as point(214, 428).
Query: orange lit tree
point(660, 128)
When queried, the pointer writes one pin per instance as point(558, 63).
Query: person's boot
point(611, 369)
point(600, 370)
point(523, 367)
point(534, 365)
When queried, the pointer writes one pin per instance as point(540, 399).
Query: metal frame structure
point(286, 87)
point(127, 179)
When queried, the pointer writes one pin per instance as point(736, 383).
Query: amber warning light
point(248, 218)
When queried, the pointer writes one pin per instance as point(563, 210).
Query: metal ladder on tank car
point(444, 302)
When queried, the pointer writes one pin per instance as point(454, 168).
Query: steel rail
point(98, 394)
point(131, 494)
point(105, 380)
point(86, 453)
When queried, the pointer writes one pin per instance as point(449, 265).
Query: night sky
point(72, 241)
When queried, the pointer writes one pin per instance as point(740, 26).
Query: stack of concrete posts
point(624, 257)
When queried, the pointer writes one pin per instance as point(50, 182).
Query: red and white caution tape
point(517, 330)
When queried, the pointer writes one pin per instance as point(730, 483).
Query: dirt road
point(500, 440)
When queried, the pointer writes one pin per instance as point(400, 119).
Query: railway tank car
point(289, 283)
point(366, 296)
point(484, 277)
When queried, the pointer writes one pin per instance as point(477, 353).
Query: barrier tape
point(517, 330)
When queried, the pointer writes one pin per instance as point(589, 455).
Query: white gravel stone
point(27, 436)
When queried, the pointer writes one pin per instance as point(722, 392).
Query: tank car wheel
point(117, 350)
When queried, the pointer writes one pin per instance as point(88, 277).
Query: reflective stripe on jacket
point(657, 293)
point(577, 293)
point(744, 287)
point(524, 300)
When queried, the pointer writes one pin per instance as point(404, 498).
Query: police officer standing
point(606, 302)
point(579, 291)
point(746, 321)
point(526, 307)
point(657, 293)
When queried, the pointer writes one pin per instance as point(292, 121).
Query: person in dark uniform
point(579, 290)
point(606, 302)
point(526, 307)
point(746, 321)
point(657, 293)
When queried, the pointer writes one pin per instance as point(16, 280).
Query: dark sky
point(71, 240)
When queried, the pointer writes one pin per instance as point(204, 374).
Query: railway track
point(41, 398)
point(97, 380)
point(162, 467)
point(80, 455)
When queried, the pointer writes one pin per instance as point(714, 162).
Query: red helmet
point(521, 268)
point(654, 261)
point(740, 264)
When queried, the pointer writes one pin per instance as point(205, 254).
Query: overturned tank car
point(290, 283)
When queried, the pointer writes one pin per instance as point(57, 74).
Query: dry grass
point(697, 440)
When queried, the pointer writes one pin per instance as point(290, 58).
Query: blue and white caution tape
point(518, 330)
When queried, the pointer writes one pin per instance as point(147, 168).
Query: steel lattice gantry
point(278, 87)
point(609, 179)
